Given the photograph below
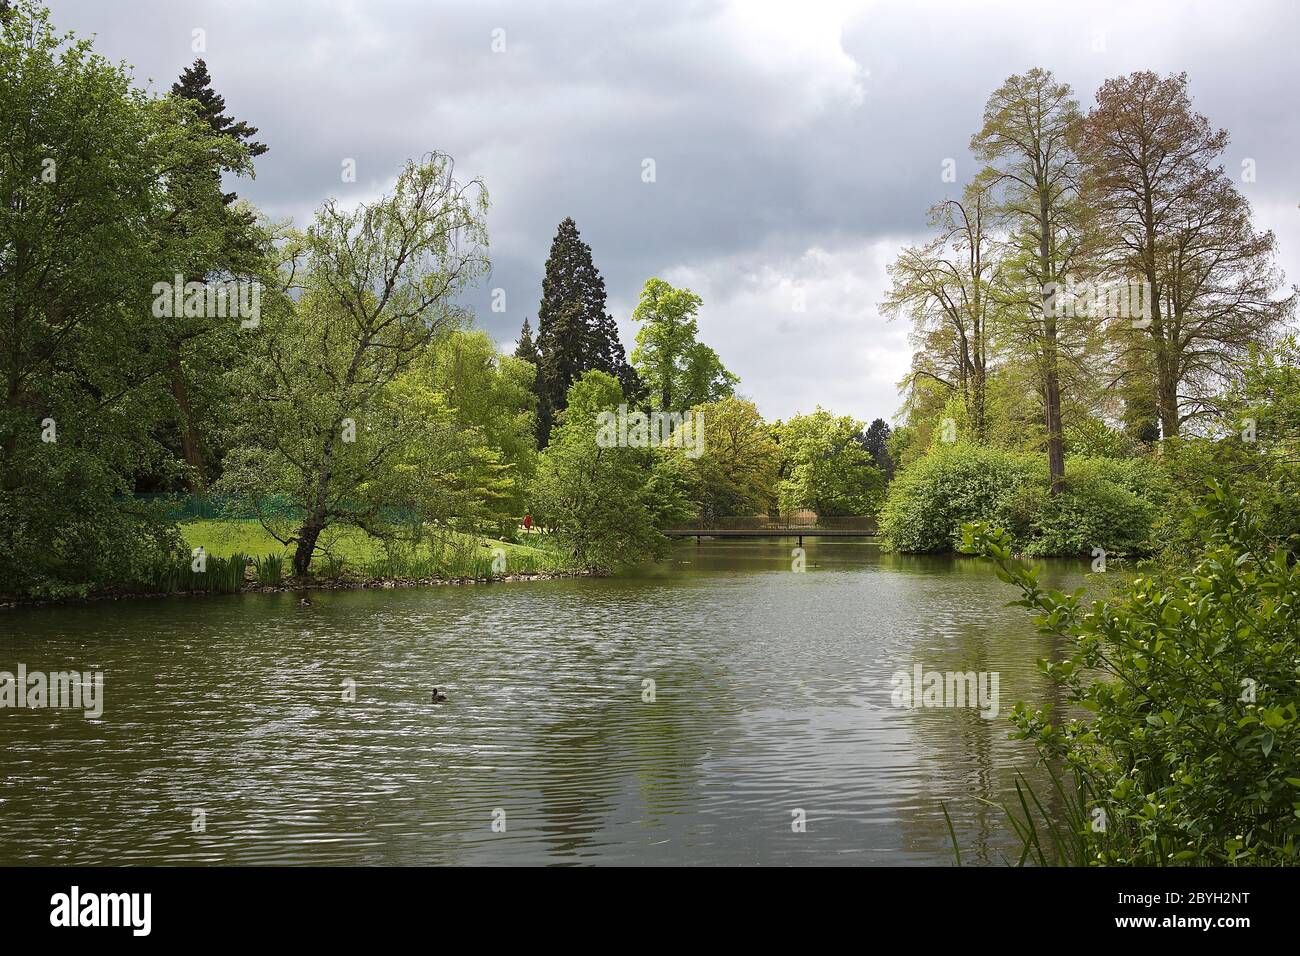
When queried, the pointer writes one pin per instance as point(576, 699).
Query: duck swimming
point(438, 698)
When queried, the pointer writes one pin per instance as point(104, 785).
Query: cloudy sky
point(796, 145)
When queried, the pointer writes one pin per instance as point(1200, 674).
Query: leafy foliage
point(1106, 503)
point(1192, 754)
point(607, 506)
point(737, 472)
point(86, 210)
point(825, 467)
point(676, 370)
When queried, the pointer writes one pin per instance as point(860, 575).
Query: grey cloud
point(775, 128)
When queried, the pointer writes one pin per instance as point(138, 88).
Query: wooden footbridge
point(857, 526)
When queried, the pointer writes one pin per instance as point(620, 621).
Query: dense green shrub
point(606, 504)
point(1255, 448)
point(1091, 514)
point(1193, 753)
point(929, 501)
point(1107, 503)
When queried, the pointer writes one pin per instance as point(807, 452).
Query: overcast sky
point(796, 145)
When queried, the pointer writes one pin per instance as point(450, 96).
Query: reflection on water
point(771, 693)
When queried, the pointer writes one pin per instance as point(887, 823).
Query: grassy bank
point(351, 556)
point(239, 555)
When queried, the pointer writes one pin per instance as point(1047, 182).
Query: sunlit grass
point(352, 552)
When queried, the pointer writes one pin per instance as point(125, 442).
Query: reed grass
point(270, 570)
point(219, 576)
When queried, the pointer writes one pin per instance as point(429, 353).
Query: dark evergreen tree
point(876, 441)
point(526, 350)
point(574, 332)
point(195, 84)
point(195, 191)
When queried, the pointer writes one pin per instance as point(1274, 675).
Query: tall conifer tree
point(239, 249)
point(526, 349)
point(574, 331)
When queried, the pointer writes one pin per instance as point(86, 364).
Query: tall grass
point(333, 566)
point(1047, 837)
point(219, 576)
point(457, 559)
point(270, 570)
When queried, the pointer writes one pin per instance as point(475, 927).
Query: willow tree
point(947, 288)
point(332, 435)
point(1169, 216)
point(1025, 142)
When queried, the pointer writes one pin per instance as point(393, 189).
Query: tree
point(948, 289)
point(488, 402)
point(676, 369)
point(332, 433)
point(876, 441)
point(525, 349)
point(1168, 214)
point(1024, 140)
point(737, 470)
point(203, 343)
point(574, 332)
point(606, 505)
point(85, 233)
point(824, 467)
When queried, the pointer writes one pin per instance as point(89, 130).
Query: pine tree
point(574, 332)
point(196, 84)
point(239, 251)
point(526, 350)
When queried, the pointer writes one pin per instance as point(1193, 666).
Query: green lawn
point(224, 537)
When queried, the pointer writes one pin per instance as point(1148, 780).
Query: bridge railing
point(801, 521)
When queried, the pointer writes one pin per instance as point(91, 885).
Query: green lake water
point(772, 695)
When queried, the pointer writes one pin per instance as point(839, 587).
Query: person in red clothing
point(528, 522)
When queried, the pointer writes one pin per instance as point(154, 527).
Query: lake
point(230, 735)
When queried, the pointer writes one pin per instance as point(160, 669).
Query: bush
point(1107, 503)
point(1193, 752)
point(929, 501)
point(1092, 514)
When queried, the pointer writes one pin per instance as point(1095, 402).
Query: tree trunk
point(1166, 391)
point(1051, 374)
point(1055, 440)
point(307, 537)
point(191, 443)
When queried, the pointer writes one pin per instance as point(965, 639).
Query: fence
point(794, 521)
